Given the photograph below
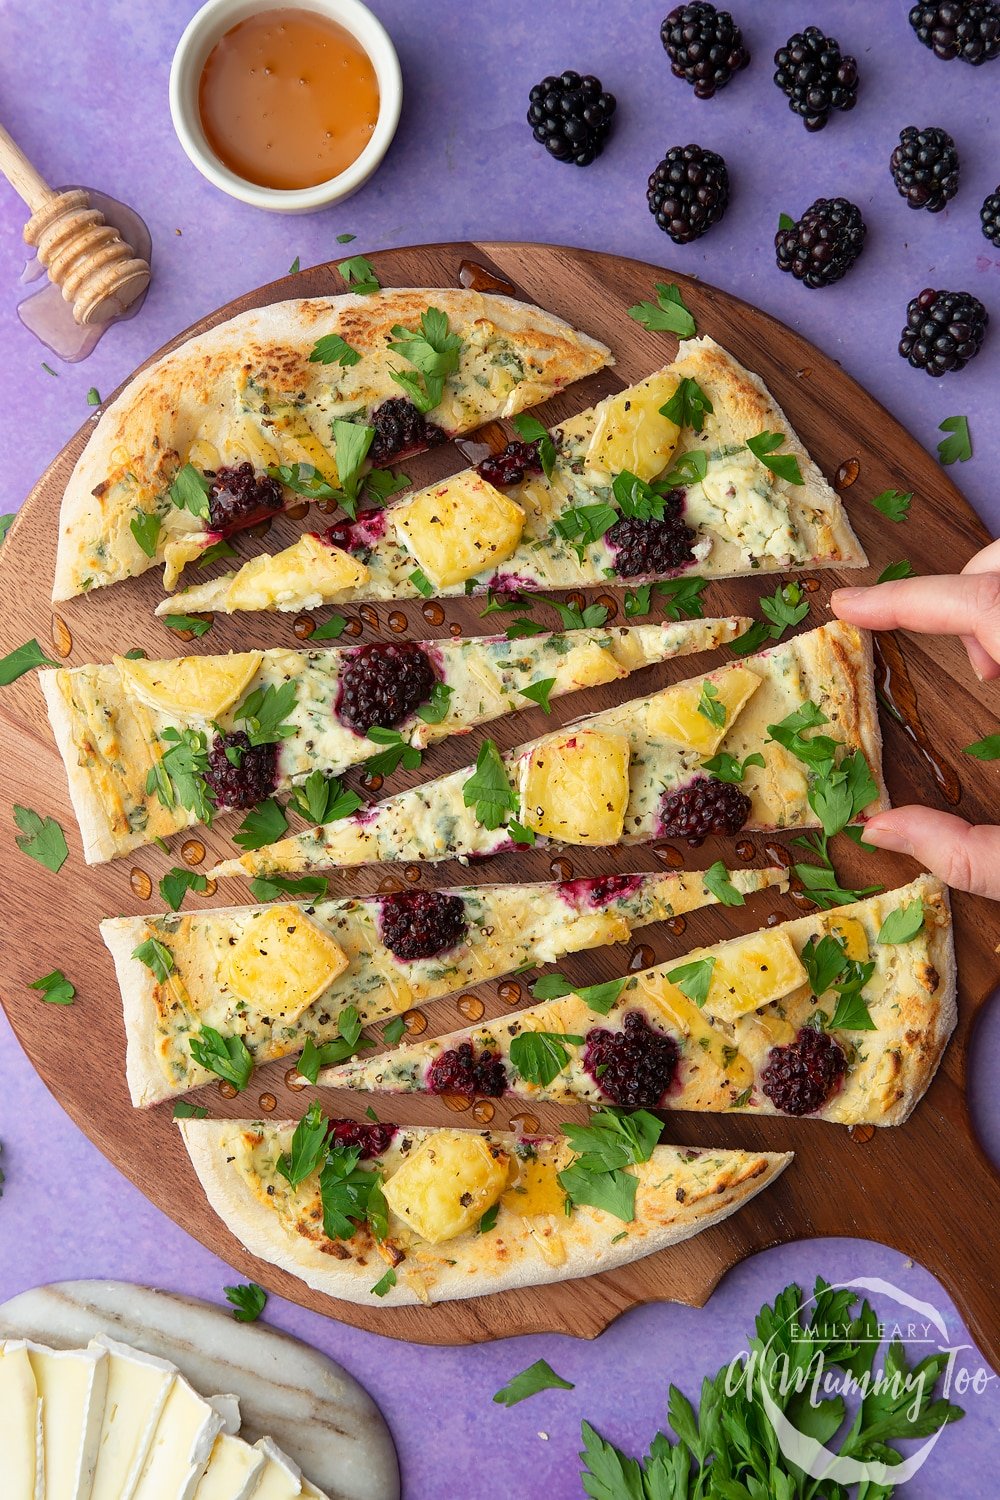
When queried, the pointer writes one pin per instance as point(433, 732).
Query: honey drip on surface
point(458, 1102)
point(561, 868)
point(677, 925)
point(861, 1133)
point(477, 278)
point(670, 855)
point(397, 621)
point(745, 849)
point(415, 1022)
point(299, 511)
point(62, 641)
point(524, 1124)
point(471, 1007)
point(640, 958)
point(228, 1090)
point(847, 474)
point(369, 615)
point(268, 1103)
point(353, 627)
point(412, 873)
point(192, 851)
point(483, 1111)
point(295, 1080)
point(303, 627)
point(895, 689)
point(432, 613)
point(777, 854)
point(141, 884)
point(510, 992)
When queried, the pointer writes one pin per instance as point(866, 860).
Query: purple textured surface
point(84, 91)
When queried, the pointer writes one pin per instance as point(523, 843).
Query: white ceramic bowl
point(203, 31)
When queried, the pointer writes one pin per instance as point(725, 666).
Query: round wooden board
point(924, 1188)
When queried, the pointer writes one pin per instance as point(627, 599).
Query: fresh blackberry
point(571, 116)
point(461, 1071)
point(969, 29)
point(400, 428)
point(816, 76)
point(373, 1138)
point(382, 684)
point(822, 246)
point(646, 546)
point(254, 776)
point(925, 167)
point(705, 46)
point(944, 330)
point(241, 497)
point(688, 192)
point(989, 216)
point(421, 924)
point(633, 1067)
point(799, 1078)
point(510, 466)
point(705, 806)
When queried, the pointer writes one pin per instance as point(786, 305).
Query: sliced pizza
point(294, 399)
point(151, 747)
point(693, 470)
point(272, 980)
point(842, 1016)
point(745, 746)
point(402, 1215)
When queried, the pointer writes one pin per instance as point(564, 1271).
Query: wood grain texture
point(925, 1189)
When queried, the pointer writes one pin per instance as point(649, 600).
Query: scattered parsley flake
point(55, 987)
point(957, 447)
point(537, 1377)
point(667, 314)
point(41, 839)
point(247, 1301)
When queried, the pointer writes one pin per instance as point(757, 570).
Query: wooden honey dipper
point(85, 256)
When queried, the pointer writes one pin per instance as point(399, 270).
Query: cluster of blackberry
point(688, 190)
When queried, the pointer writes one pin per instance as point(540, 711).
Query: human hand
point(967, 605)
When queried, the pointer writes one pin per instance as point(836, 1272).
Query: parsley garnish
point(681, 598)
point(538, 692)
point(829, 968)
point(177, 882)
point(710, 705)
point(189, 491)
point(726, 768)
point(903, 924)
point(397, 750)
point(893, 504)
point(263, 824)
point(6, 521)
point(294, 267)
point(22, 660)
point(433, 352)
point(270, 887)
point(330, 630)
point(193, 624)
point(688, 406)
point(352, 440)
point(690, 468)
point(384, 1283)
point(599, 997)
point(345, 239)
point(184, 1110)
point(226, 1056)
point(957, 447)
point(93, 396)
point(157, 958)
point(212, 554)
point(322, 799)
point(903, 569)
point(304, 479)
point(539, 1056)
point(332, 349)
point(783, 465)
point(348, 1044)
point(537, 1377)
point(359, 274)
point(41, 839)
point(787, 606)
point(436, 708)
point(263, 712)
point(145, 527)
point(393, 1031)
point(588, 618)
point(179, 774)
point(531, 430)
point(489, 1219)
point(422, 583)
point(612, 1141)
point(351, 1196)
point(694, 979)
point(667, 314)
point(488, 789)
point(55, 987)
point(717, 880)
point(308, 1146)
point(985, 749)
point(247, 1301)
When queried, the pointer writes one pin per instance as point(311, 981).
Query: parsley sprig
point(611, 1142)
point(787, 606)
point(667, 314)
point(488, 789)
point(433, 352)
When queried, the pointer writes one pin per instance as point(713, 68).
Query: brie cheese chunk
point(280, 1478)
point(21, 1455)
point(233, 1470)
point(181, 1446)
point(72, 1386)
point(138, 1387)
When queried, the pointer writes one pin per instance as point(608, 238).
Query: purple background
point(84, 91)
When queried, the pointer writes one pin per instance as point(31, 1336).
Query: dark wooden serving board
point(926, 1188)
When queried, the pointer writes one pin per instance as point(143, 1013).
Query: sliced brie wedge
point(138, 1387)
point(181, 1447)
point(72, 1386)
point(233, 1470)
point(21, 1456)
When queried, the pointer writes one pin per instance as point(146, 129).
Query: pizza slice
point(402, 1215)
point(151, 747)
point(297, 399)
point(693, 470)
point(842, 1016)
point(272, 980)
point(788, 738)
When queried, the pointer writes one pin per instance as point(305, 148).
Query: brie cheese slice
point(20, 1426)
point(280, 1478)
point(233, 1470)
point(138, 1387)
point(181, 1447)
point(72, 1386)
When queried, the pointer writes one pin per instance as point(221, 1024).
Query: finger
point(985, 668)
point(963, 855)
point(963, 604)
point(985, 561)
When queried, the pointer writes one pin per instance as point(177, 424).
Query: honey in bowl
point(288, 99)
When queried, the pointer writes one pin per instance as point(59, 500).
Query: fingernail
point(887, 838)
point(846, 596)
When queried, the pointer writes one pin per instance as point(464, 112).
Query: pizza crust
point(588, 1234)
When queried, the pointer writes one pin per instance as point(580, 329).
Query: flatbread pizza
point(693, 470)
point(179, 460)
point(275, 979)
point(151, 747)
point(395, 1216)
point(748, 745)
point(841, 1016)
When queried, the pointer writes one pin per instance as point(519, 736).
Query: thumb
point(961, 854)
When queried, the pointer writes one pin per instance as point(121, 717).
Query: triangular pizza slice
point(842, 1016)
point(395, 1216)
point(269, 981)
point(693, 470)
point(151, 747)
point(788, 738)
point(304, 397)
